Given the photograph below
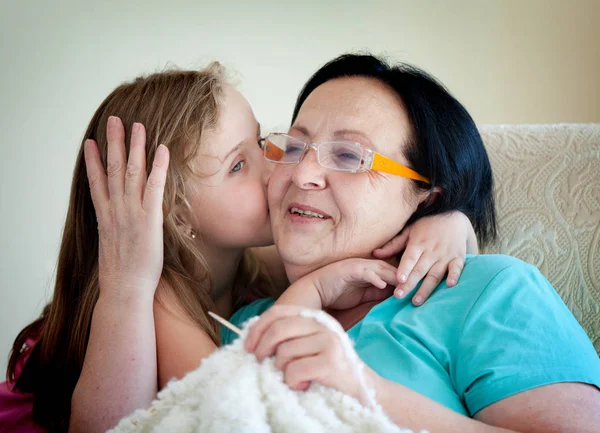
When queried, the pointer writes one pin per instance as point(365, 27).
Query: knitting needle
point(225, 323)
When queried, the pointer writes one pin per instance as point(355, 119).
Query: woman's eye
point(348, 156)
point(291, 150)
point(238, 166)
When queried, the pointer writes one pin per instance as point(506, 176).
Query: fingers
point(394, 246)
point(301, 372)
point(306, 351)
point(135, 175)
point(371, 277)
point(434, 276)
point(381, 275)
point(284, 330)
point(97, 180)
point(300, 348)
point(155, 187)
point(274, 313)
point(418, 270)
point(455, 269)
point(115, 165)
point(407, 264)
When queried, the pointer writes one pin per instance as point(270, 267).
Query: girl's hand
point(129, 212)
point(350, 282)
point(433, 247)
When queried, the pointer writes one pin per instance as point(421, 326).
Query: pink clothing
point(15, 406)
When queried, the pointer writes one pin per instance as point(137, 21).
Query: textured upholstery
point(548, 201)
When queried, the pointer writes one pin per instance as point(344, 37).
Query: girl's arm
point(433, 247)
point(181, 344)
point(119, 369)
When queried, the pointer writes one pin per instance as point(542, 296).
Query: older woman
point(372, 148)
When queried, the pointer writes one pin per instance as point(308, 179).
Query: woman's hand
point(129, 212)
point(307, 351)
point(433, 247)
point(304, 350)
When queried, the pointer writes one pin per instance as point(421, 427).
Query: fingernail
point(135, 128)
point(161, 149)
point(418, 300)
point(451, 282)
point(111, 120)
point(400, 293)
point(402, 278)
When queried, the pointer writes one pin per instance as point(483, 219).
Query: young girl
point(137, 275)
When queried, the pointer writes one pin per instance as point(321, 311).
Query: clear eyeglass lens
point(340, 156)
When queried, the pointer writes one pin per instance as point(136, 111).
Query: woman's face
point(361, 211)
point(229, 202)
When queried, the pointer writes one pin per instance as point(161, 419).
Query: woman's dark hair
point(445, 145)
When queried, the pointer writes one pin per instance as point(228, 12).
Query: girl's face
point(229, 201)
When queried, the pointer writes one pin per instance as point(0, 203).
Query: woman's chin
point(299, 253)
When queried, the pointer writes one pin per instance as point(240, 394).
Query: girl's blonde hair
point(176, 107)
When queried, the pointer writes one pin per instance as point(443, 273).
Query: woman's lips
point(306, 214)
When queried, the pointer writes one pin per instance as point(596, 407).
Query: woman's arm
point(562, 407)
point(409, 409)
point(306, 351)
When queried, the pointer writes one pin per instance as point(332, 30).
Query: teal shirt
point(501, 330)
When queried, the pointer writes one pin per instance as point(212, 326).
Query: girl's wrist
point(119, 295)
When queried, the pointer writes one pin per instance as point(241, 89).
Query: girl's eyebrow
point(235, 149)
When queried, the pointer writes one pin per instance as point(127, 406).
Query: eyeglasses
point(345, 156)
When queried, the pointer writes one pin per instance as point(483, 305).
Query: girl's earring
point(193, 234)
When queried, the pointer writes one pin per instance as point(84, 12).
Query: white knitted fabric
point(232, 392)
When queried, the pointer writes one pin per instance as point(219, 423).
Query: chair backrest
point(547, 180)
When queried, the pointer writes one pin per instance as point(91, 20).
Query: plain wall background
point(508, 61)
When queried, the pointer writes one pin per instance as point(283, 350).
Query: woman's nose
point(308, 173)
